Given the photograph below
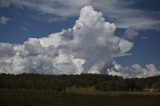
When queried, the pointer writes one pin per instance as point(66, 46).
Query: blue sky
point(22, 19)
point(25, 23)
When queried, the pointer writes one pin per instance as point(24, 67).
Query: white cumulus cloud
point(90, 46)
point(134, 71)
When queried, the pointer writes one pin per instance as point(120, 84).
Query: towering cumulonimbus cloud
point(89, 47)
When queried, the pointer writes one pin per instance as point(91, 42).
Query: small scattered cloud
point(4, 20)
point(130, 33)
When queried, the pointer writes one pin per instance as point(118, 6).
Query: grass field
point(93, 91)
point(50, 98)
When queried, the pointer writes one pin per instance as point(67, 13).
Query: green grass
point(85, 91)
point(93, 91)
point(76, 98)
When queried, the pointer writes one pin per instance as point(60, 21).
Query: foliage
point(61, 83)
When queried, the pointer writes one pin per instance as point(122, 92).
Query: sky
point(118, 37)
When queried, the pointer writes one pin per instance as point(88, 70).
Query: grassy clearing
point(93, 91)
point(84, 91)
point(50, 98)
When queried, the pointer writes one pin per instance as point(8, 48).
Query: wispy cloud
point(145, 37)
point(24, 28)
point(4, 3)
point(120, 11)
point(124, 16)
point(55, 7)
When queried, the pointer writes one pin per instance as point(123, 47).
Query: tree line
point(59, 83)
